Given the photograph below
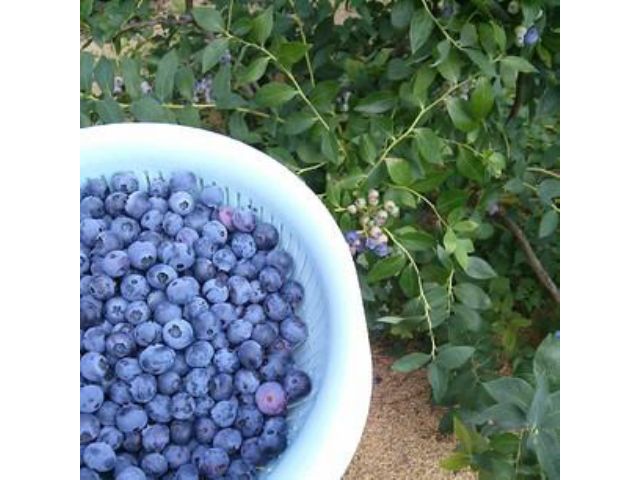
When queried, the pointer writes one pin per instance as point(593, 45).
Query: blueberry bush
point(431, 131)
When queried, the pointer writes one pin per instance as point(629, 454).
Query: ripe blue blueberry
point(205, 326)
point(126, 228)
point(131, 473)
point(137, 312)
point(205, 429)
point(159, 408)
point(228, 439)
point(143, 388)
point(157, 359)
point(264, 334)
point(115, 202)
point(166, 311)
point(102, 287)
point(178, 255)
point(258, 294)
point(172, 223)
point(224, 259)
point(188, 471)
point(182, 406)
point(281, 260)
point(221, 387)
point(239, 290)
point(177, 334)
point(215, 290)
point(212, 196)
point(111, 436)
point(198, 217)
point(180, 365)
point(294, 330)
point(250, 354)
point(187, 235)
point(147, 333)
point(99, 456)
point(215, 231)
point(142, 255)
point(96, 186)
point(181, 431)
point(292, 292)
point(249, 420)
point(93, 366)
point(120, 344)
point(181, 203)
point(137, 204)
point(115, 309)
point(90, 228)
point(126, 182)
point(532, 36)
point(254, 314)
point(297, 385)
point(92, 207)
point(159, 187)
point(265, 236)
point(205, 247)
point(132, 442)
point(134, 287)
point(169, 382)
point(203, 270)
point(259, 260)
point(116, 264)
point(152, 220)
point(182, 290)
point(150, 236)
point(89, 428)
point(225, 312)
point(275, 307)
point(224, 412)
point(155, 438)
point(107, 413)
point(199, 354)
point(90, 311)
point(204, 404)
point(106, 242)
point(270, 279)
point(243, 245)
point(251, 453)
point(276, 366)
point(246, 381)
point(127, 369)
point(240, 470)
point(196, 382)
point(131, 418)
point(185, 181)
point(226, 361)
point(177, 456)
point(119, 393)
point(271, 398)
point(88, 474)
point(239, 331)
point(244, 219)
point(93, 339)
point(154, 464)
point(195, 308)
point(214, 463)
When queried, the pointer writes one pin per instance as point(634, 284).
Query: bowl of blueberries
point(222, 332)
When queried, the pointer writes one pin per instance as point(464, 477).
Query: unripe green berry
point(389, 205)
point(352, 209)
point(513, 8)
point(360, 203)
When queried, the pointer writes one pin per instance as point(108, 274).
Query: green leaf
point(104, 75)
point(456, 461)
point(377, 102)
point(439, 380)
point(459, 116)
point(85, 121)
point(131, 76)
point(482, 99)
point(386, 267)
point(546, 361)
point(408, 282)
point(329, 147)
point(547, 447)
point(165, 76)
point(86, 6)
point(429, 146)
point(185, 80)
point(414, 239)
point(208, 18)
point(450, 241)
point(499, 36)
point(471, 318)
point(483, 62)
point(289, 53)
point(454, 356)
point(262, 26)
point(468, 35)
point(148, 109)
point(511, 390)
point(423, 79)
point(399, 171)
point(479, 269)
point(410, 362)
point(86, 72)
point(450, 199)
point(299, 122)
point(401, 14)
point(398, 69)
point(253, 72)
point(421, 28)
point(213, 52)
point(463, 434)
point(472, 296)
point(519, 64)
point(450, 67)
point(548, 190)
point(465, 226)
point(109, 111)
point(188, 116)
point(548, 223)
point(469, 165)
point(274, 94)
point(504, 416)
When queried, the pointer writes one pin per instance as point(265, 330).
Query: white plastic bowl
point(326, 427)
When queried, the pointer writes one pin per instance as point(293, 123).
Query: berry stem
point(441, 28)
point(303, 37)
point(425, 200)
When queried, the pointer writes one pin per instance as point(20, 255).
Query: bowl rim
point(322, 449)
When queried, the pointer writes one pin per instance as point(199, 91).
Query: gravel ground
point(401, 439)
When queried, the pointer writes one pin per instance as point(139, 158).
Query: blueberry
point(228, 439)
point(254, 314)
point(131, 473)
point(245, 268)
point(166, 311)
point(199, 354)
point(185, 181)
point(152, 237)
point(264, 334)
point(155, 298)
point(99, 457)
point(205, 429)
point(250, 354)
point(275, 367)
point(214, 463)
point(188, 471)
point(131, 418)
point(224, 412)
point(225, 216)
point(187, 236)
point(85, 263)
point(532, 36)
point(157, 359)
point(127, 369)
point(152, 220)
point(181, 431)
point(270, 279)
point(257, 292)
point(120, 344)
point(243, 245)
point(177, 455)
point(102, 287)
point(220, 340)
point(159, 187)
point(119, 392)
point(154, 464)
point(137, 204)
point(93, 366)
point(115, 309)
point(123, 461)
point(134, 287)
point(246, 381)
point(126, 182)
point(181, 203)
point(204, 404)
point(198, 217)
point(239, 290)
point(172, 223)
point(244, 219)
point(104, 243)
point(224, 259)
point(88, 474)
point(169, 383)
point(292, 292)
point(126, 228)
point(250, 452)
point(159, 204)
point(271, 398)
point(90, 311)
point(143, 388)
point(249, 420)
point(94, 339)
point(203, 270)
point(177, 334)
point(182, 406)
point(142, 255)
point(180, 256)
point(265, 236)
point(196, 382)
point(205, 247)
point(275, 307)
point(159, 408)
point(92, 207)
point(205, 326)
point(96, 186)
point(111, 436)
point(180, 365)
point(240, 470)
point(280, 260)
point(212, 196)
point(147, 333)
point(155, 438)
point(272, 445)
point(107, 413)
point(116, 264)
point(297, 385)
point(215, 290)
point(259, 260)
point(182, 290)
point(132, 441)
point(294, 330)
point(196, 307)
point(115, 202)
point(225, 312)
point(221, 386)
point(90, 228)
point(89, 428)
point(137, 312)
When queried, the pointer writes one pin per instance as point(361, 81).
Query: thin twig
point(230, 15)
point(298, 21)
point(532, 259)
point(425, 200)
point(545, 171)
point(441, 28)
point(421, 294)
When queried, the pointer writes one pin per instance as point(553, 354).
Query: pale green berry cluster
point(373, 215)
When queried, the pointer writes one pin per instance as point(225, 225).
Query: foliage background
point(443, 110)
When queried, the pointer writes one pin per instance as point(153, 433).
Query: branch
point(532, 259)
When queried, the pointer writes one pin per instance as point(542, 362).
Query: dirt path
point(401, 439)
